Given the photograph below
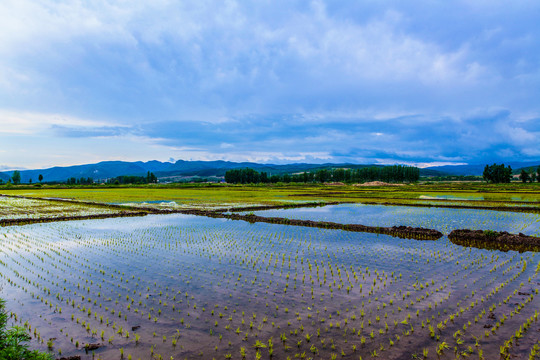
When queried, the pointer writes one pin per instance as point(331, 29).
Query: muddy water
point(215, 286)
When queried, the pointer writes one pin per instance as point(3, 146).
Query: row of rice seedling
point(22, 208)
point(442, 219)
point(192, 287)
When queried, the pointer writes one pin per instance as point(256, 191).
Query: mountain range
point(168, 171)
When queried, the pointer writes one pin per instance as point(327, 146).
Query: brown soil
point(488, 239)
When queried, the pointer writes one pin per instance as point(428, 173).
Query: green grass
point(220, 195)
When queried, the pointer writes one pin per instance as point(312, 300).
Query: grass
point(223, 195)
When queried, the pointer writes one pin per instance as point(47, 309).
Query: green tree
point(16, 177)
point(40, 177)
point(497, 173)
point(524, 175)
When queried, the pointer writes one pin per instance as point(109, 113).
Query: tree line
point(503, 174)
point(395, 173)
point(124, 179)
point(81, 181)
point(150, 178)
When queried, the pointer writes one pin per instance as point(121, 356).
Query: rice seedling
point(358, 292)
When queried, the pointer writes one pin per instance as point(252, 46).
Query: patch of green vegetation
point(13, 341)
point(491, 233)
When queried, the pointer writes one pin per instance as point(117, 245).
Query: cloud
point(284, 81)
point(233, 55)
point(414, 139)
point(30, 123)
point(87, 132)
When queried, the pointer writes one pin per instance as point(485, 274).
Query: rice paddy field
point(223, 196)
point(194, 287)
point(24, 208)
point(443, 219)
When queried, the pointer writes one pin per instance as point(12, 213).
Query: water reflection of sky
point(450, 197)
point(442, 219)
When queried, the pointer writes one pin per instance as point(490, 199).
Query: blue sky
point(423, 82)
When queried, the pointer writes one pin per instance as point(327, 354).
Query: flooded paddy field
point(192, 287)
point(442, 219)
point(25, 208)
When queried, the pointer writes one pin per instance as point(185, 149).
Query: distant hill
point(529, 169)
point(166, 170)
point(102, 170)
point(477, 169)
point(4, 177)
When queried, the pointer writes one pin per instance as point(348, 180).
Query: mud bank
point(493, 240)
point(21, 221)
point(406, 232)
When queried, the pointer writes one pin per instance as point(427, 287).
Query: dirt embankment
point(495, 240)
point(26, 221)
point(398, 231)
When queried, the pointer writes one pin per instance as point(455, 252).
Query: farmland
point(220, 196)
point(197, 287)
point(13, 208)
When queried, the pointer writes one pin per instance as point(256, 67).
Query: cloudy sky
point(423, 82)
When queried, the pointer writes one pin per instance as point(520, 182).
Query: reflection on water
point(451, 197)
point(442, 219)
point(203, 288)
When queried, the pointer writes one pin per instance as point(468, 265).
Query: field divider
point(396, 231)
point(489, 239)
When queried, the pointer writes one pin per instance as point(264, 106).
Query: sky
point(371, 82)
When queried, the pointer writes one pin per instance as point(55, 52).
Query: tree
point(16, 177)
point(497, 173)
point(524, 176)
point(40, 178)
point(322, 175)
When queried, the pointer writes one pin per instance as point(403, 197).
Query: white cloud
point(27, 123)
point(214, 37)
